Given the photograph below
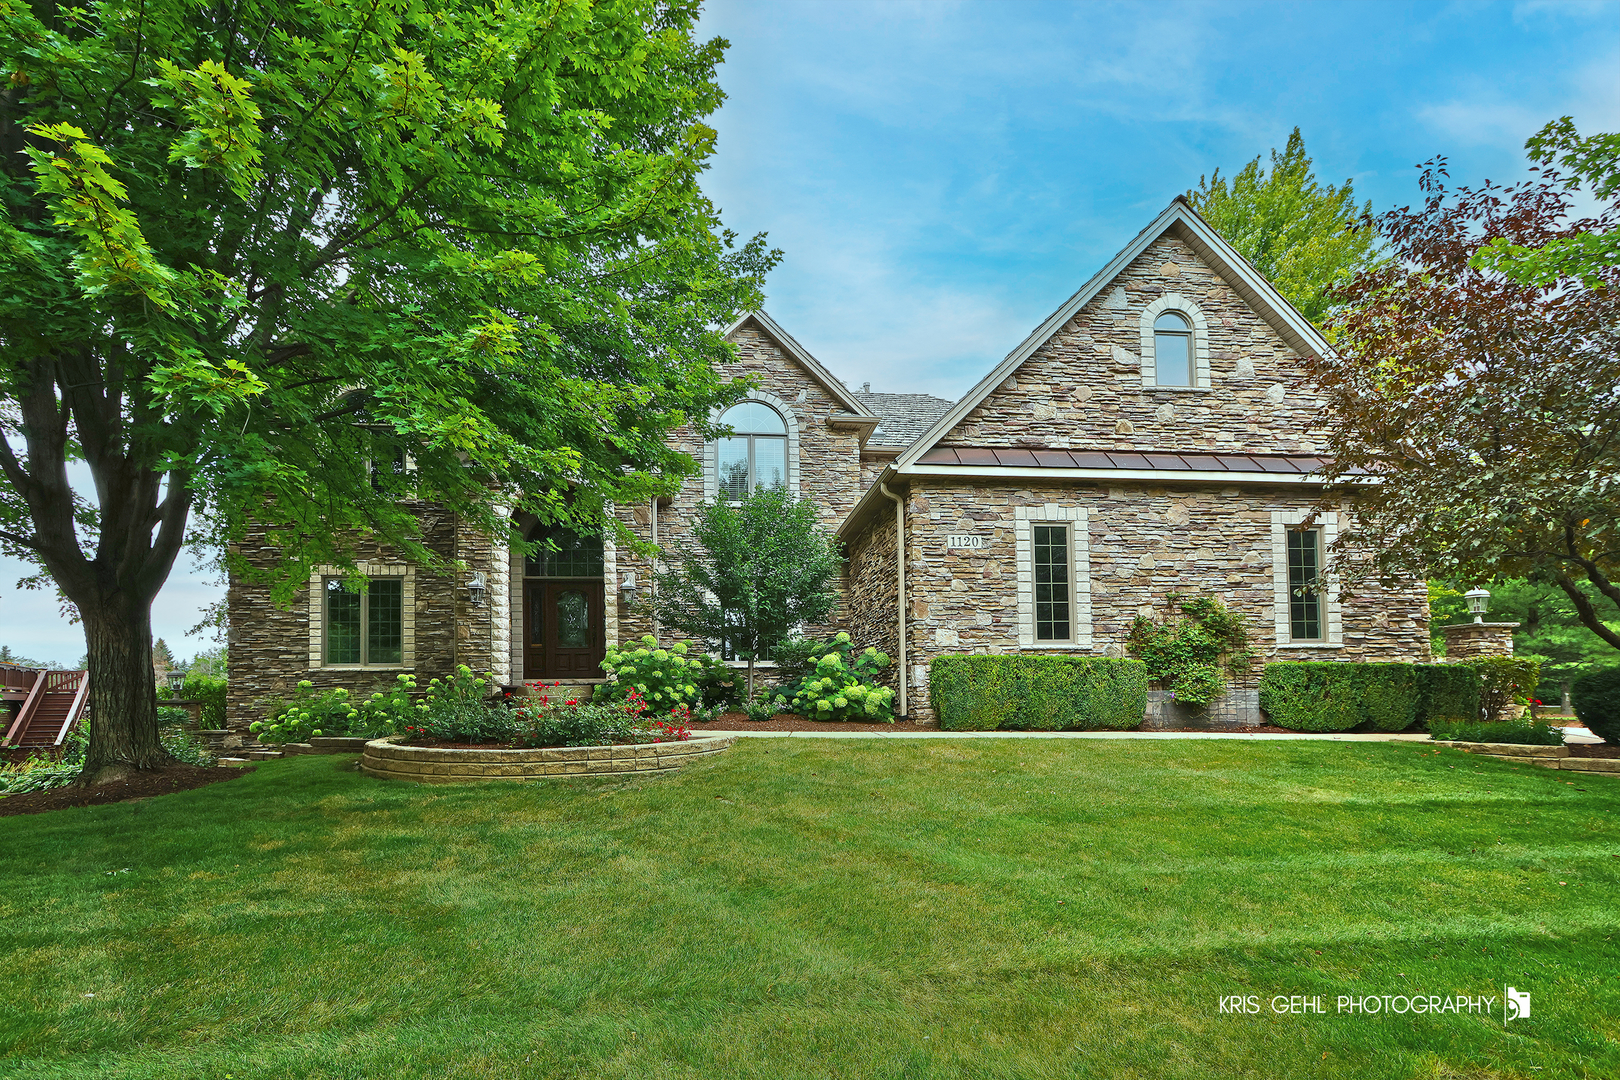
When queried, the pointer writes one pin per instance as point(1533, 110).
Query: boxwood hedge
point(1326, 695)
point(1037, 693)
point(1450, 690)
point(1597, 703)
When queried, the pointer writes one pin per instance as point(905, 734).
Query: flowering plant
point(841, 686)
point(664, 679)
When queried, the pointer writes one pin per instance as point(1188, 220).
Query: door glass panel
point(770, 463)
point(537, 617)
point(733, 468)
point(573, 620)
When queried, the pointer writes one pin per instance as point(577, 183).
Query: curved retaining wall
point(435, 765)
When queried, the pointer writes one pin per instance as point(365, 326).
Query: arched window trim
point(711, 450)
point(1184, 307)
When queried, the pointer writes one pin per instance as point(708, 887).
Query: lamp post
point(177, 679)
point(1478, 601)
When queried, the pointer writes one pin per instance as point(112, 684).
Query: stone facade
point(1471, 641)
point(1083, 388)
point(273, 648)
point(1192, 515)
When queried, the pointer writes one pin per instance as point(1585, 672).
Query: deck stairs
point(51, 703)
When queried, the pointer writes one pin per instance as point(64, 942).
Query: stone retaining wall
point(435, 765)
point(1548, 757)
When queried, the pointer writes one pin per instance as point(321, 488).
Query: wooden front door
point(562, 630)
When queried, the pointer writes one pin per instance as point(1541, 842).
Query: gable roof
point(1180, 219)
point(801, 355)
point(905, 417)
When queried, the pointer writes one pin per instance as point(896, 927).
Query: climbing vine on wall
point(1194, 648)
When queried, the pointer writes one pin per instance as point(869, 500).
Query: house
point(1155, 433)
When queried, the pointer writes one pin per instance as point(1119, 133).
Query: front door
point(562, 630)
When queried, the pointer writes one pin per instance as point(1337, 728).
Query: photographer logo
point(1515, 1006)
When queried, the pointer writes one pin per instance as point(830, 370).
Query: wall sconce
point(1478, 601)
point(627, 587)
point(475, 587)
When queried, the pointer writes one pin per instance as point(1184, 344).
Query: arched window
point(1172, 349)
point(754, 456)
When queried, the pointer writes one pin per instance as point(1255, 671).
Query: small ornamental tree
point(755, 571)
point(1194, 648)
point(1485, 408)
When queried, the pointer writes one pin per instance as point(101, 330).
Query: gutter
point(900, 589)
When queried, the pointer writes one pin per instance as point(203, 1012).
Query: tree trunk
point(123, 697)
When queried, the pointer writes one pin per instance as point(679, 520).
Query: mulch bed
point(143, 785)
point(736, 721)
point(1597, 750)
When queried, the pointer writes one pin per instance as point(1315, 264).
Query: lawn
point(823, 908)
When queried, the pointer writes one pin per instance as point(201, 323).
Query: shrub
point(187, 748)
point(173, 716)
point(666, 678)
point(1597, 703)
point(1525, 733)
point(573, 723)
point(458, 709)
point(42, 772)
point(840, 686)
point(1037, 693)
point(1326, 695)
point(1445, 690)
point(327, 712)
point(1193, 651)
point(210, 690)
point(1504, 680)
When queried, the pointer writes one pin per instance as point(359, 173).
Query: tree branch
point(1583, 608)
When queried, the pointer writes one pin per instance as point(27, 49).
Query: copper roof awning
point(1046, 458)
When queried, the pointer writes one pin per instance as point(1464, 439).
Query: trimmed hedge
point(1449, 690)
point(1037, 693)
point(1325, 695)
point(1597, 703)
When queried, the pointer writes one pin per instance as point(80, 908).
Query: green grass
point(821, 908)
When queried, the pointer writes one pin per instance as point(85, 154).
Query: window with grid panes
point(1304, 601)
point(365, 628)
point(1052, 586)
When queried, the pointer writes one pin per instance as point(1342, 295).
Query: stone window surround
point(317, 615)
point(1332, 615)
point(1200, 341)
point(1078, 519)
point(711, 449)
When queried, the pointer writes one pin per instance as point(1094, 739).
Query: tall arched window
point(755, 454)
point(1172, 349)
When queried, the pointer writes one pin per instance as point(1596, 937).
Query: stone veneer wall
point(269, 646)
point(1144, 542)
point(828, 469)
point(1083, 388)
point(869, 585)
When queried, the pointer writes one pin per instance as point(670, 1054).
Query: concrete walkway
point(901, 733)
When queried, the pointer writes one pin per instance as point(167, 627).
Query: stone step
point(233, 762)
point(263, 755)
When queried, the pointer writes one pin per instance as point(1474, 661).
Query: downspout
point(900, 589)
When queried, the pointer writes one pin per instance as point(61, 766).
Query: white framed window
point(754, 455)
point(1054, 576)
point(357, 628)
point(1306, 610)
point(761, 451)
point(1175, 344)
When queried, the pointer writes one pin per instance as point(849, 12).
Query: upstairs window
point(754, 456)
point(365, 628)
point(1172, 349)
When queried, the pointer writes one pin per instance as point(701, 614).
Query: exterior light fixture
point(627, 587)
point(177, 679)
point(475, 587)
point(1478, 601)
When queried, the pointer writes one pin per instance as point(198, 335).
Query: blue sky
point(943, 175)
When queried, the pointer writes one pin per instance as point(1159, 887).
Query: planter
point(437, 765)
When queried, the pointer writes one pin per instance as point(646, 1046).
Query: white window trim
point(1332, 614)
point(317, 615)
point(1077, 517)
point(1200, 335)
point(711, 449)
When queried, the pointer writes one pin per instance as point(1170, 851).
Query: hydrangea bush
point(334, 712)
point(666, 679)
point(841, 685)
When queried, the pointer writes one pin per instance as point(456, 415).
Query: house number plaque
point(964, 540)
